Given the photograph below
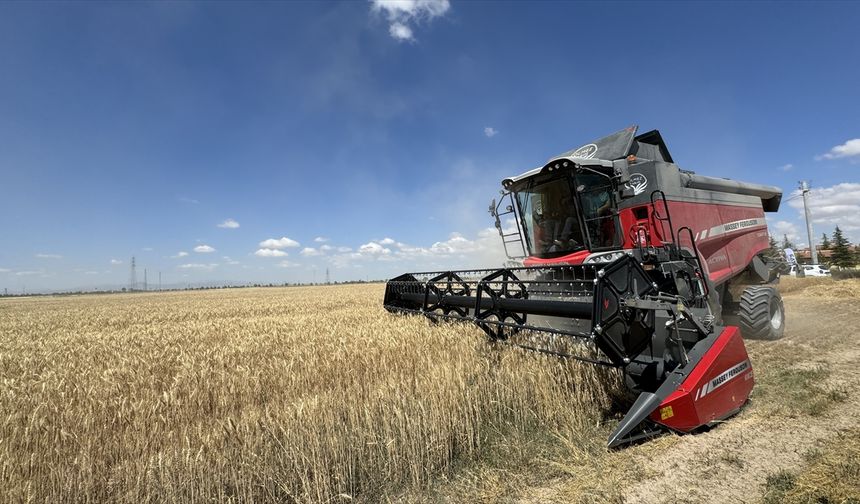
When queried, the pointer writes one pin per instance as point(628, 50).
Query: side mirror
point(622, 175)
point(494, 212)
point(620, 166)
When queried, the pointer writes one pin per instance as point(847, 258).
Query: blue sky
point(368, 138)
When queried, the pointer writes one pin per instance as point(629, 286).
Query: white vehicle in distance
point(811, 270)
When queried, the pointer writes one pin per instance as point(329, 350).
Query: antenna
point(804, 188)
point(132, 280)
point(327, 277)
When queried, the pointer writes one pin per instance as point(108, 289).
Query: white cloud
point(786, 167)
point(49, 256)
point(204, 249)
point(344, 249)
point(29, 272)
point(310, 252)
point(400, 31)
point(831, 206)
point(5, 270)
point(849, 149)
point(320, 239)
point(197, 266)
point(409, 9)
point(387, 241)
point(373, 249)
point(181, 253)
point(117, 261)
point(490, 132)
point(229, 224)
point(230, 261)
point(782, 228)
point(275, 243)
point(268, 252)
point(403, 13)
point(457, 243)
point(457, 251)
point(287, 264)
point(326, 248)
point(147, 249)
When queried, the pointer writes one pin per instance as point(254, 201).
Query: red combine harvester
point(631, 262)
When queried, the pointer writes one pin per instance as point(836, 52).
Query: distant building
point(824, 255)
point(804, 256)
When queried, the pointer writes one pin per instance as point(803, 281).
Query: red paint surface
point(574, 258)
point(724, 255)
point(690, 412)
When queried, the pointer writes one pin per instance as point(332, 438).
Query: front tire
point(761, 314)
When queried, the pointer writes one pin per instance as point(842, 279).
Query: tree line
point(843, 253)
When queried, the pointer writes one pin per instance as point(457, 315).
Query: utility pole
point(159, 280)
point(132, 281)
point(804, 188)
point(145, 287)
point(327, 277)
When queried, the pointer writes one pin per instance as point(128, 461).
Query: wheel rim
point(776, 317)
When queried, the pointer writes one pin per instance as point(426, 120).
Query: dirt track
point(731, 463)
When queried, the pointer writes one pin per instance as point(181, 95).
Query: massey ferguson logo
point(639, 183)
point(722, 379)
point(585, 152)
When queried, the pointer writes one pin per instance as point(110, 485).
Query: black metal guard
point(497, 310)
point(667, 218)
point(453, 285)
point(512, 237)
point(702, 273)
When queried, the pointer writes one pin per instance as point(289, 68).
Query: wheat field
point(302, 394)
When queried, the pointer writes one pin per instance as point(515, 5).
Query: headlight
point(604, 257)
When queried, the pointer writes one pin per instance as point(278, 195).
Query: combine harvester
point(640, 262)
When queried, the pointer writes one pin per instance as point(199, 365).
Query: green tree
point(825, 242)
point(773, 245)
point(773, 250)
point(842, 255)
point(786, 243)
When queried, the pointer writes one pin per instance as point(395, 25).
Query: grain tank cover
point(621, 144)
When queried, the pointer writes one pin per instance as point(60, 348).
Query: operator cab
point(568, 210)
point(571, 204)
